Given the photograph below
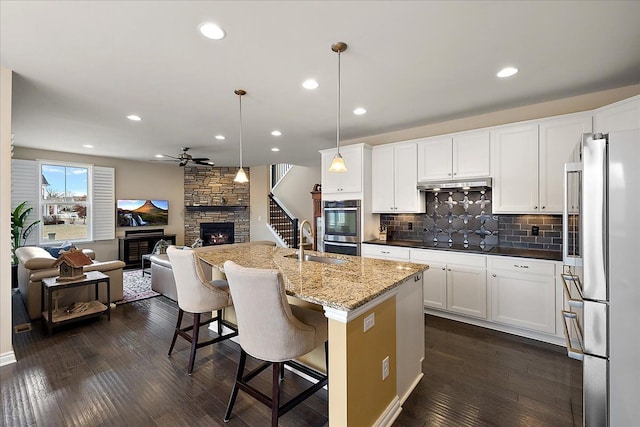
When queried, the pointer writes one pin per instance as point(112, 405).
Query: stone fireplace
point(216, 233)
point(211, 196)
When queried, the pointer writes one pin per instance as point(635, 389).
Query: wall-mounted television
point(139, 213)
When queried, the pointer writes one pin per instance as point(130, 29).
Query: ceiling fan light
point(241, 177)
point(337, 164)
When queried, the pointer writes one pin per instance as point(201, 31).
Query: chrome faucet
point(300, 246)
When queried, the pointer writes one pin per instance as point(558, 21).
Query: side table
point(92, 309)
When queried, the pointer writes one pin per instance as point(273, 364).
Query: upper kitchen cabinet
point(394, 176)
point(529, 163)
point(457, 156)
point(622, 115)
point(515, 169)
point(559, 143)
point(349, 184)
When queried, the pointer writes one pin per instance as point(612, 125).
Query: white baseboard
point(390, 414)
point(7, 358)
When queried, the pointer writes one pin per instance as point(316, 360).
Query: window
point(65, 202)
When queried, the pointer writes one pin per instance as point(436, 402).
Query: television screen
point(138, 213)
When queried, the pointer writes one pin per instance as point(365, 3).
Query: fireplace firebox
point(216, 233)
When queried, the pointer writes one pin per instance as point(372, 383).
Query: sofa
point(162, 280)
point(35, 264)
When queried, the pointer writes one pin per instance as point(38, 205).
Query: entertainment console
point(136, 243)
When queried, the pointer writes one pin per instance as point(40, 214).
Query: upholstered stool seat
point(275, 332)
point(197, 296)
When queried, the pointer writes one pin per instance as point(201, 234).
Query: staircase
point(282, 223)
point(278, 172)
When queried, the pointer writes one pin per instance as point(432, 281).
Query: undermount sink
point(315, 258)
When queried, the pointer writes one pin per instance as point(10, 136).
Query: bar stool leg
point(194, 340)
point(234, 393)
point(175, 333)
point(275, 397)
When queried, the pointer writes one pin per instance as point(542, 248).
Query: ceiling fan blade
point(204, 163)
point(171, 157)
point(200, 159)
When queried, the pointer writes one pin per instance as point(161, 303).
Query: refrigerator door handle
point(567, 281)
point(571, 208)
point(572, 352)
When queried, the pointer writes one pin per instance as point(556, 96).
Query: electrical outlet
point(410, 226)
point(369, 321)
point(385, 368)
point(535, 230)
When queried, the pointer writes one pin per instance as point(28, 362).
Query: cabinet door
point(515, 159)
point(467, 290)
point(331, 182)
point(471, 155)
point(523, 300)
point(557, 143)
point(435, 159)
point(434, 282)
point(622, 115)
point(407, 196)
point(382, 179)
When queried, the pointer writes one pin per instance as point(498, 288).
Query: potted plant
point(20, 230)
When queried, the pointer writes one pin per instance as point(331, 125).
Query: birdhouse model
point(71, 265)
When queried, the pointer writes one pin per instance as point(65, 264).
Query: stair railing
point(283, 222)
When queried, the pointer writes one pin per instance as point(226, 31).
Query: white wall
point(294, 190)
point(259, 209)
point(6, 349)
point(134, 180)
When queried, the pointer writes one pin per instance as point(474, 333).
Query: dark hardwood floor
point(100, 373)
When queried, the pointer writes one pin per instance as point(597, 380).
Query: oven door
point(342, 248)
point(342, 221)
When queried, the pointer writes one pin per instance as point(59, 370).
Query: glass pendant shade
point(241, 177)
point(337, 164)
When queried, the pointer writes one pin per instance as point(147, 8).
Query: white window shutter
point(104, 203)
point(24, 187)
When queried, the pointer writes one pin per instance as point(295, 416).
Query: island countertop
point(344, 286)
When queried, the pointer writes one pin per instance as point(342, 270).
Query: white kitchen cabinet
point(529, 163)
point(559, 143)
point(458, 156)
point(394, 178)
point(515, 173)
point(410, 335)
point(349, 184)
point(621, 115)
point(523, 293)
point(454, 282)
point(394, 253)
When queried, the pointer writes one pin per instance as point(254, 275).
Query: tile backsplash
point(457, 219)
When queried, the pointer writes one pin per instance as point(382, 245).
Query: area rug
point(136, 287)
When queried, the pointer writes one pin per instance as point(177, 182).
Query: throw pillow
point(55, 250)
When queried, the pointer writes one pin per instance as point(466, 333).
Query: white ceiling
point(82, 66)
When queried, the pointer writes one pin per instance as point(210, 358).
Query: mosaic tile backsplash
point(456, 218)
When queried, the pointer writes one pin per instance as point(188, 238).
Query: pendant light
point(337, 164)
point(241, 177)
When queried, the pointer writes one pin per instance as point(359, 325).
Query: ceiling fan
point(184, 158)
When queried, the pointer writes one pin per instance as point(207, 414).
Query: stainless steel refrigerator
point(601, 245)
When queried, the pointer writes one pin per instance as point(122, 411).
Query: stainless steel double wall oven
point(342, 227)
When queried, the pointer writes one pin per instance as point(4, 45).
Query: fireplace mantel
point(220, 208)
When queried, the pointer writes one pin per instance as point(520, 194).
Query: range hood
point(456, 185)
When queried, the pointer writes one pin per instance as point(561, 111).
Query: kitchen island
point(375, 316)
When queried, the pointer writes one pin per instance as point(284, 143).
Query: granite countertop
point(488, 250)
point(344, 287)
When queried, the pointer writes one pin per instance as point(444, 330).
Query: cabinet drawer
point(385, 252)
point(423, 256)
point(522, 265)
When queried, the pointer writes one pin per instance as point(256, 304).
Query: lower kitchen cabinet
point(454, 282)
point(393, 253)
point(523, 293)
point(467, 290)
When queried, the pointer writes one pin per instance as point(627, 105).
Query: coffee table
point(87, 310)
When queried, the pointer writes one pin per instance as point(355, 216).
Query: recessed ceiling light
point(134, 118)
point(159, 156)
point(359, 111)
point(88, 146)
point(220, 137)
point(211, 31)
point(276, 133)
point(275, 149)
point(507, 72)
point(310, 84)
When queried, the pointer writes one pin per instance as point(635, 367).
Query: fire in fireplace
point(216, 233)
